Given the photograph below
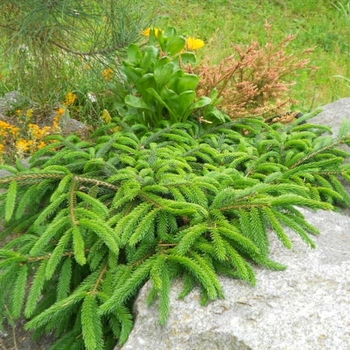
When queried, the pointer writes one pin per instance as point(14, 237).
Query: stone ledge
point(305, 307)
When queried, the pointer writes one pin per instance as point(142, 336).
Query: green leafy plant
point(90, 222)
point(160, 88)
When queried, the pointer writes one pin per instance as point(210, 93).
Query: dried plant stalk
point(254, 80)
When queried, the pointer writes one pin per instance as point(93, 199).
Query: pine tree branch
point(31, 177)
point(99, 280)
point(103, 51)
point(73, 202)
point(48, 256)
point(242, 206)
point(315, 153)
point(38, 177)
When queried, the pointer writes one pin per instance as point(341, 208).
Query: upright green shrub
point(91, 221)
point(160, 88)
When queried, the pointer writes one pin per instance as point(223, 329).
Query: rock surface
point(9, 101)
point(306, 307)
point(333, 114)
point(68, 125)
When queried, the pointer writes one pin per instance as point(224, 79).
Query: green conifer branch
point(36, 290)
point(64, 278)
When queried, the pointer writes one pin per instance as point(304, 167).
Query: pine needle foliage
point(89, 223)
point(47, 41)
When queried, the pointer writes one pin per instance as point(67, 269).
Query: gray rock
point(72, 126)
point(306, 307)
point(9, 101)
point(25, 163)
point(68, 125)
point(333, 114)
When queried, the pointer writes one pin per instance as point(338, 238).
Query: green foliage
point(52, 47)
point(160, 88)
point(91, 222)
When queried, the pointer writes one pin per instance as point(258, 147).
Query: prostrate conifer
point(90, 222)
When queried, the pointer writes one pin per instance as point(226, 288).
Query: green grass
point(323, 24)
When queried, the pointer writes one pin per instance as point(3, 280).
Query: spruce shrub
point(90, 222)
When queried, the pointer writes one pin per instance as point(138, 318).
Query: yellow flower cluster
point(29, 113)
point(56, 128)
point(108, 74)
point(106, 116)
point(23, 146)
point(22, 141)
point(148, 31)
point(8, 129)
point(70, 98)
point(38, 133)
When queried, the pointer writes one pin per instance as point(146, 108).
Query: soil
point(16, 338)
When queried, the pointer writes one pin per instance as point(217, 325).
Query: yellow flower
point(6, 128)
point(41, 144)
point(22, 146)
point(4, 125)
point(106, 116)
point(108, 74)
point(194, 44)
point(38, 133)
point(56, 124)
point(70, 98)
point(2, 148)
point(148, 31)
point(61, 112)
point(14, 130)
point(34, 131)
